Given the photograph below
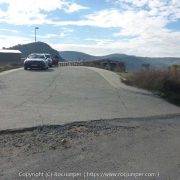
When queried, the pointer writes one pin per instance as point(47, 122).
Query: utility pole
point(35, 29)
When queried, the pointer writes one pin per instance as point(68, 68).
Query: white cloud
point(143, 20)
point(63, 32)
point(74, 7)
point(144, 29)
point(22, 12)
point(8, 41)
point(99, 42)
point(166, 46)
point(8, 30)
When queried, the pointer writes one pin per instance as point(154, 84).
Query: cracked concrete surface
point(67, 94)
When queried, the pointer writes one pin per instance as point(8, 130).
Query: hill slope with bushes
point(35, 47)
point(131, 62)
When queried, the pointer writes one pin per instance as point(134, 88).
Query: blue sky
point(99, 27)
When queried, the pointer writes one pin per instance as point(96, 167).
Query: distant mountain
point(131, 62)
point(77, 56)
point(35, 47)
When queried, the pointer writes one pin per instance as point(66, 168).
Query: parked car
point(55, 61)
point(36, 61)
point(49, 59)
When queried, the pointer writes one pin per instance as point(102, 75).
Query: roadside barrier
point(71, 63)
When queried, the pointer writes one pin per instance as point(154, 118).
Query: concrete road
point(67, 94)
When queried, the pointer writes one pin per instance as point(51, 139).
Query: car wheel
point(25, 68)
point(44, 68)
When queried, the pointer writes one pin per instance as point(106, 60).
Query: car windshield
point(36, 56)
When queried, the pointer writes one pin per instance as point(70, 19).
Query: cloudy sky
point(138, 27)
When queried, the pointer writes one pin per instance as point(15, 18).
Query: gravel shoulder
point(138, 145)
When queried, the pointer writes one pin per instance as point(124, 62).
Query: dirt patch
point(43, 138)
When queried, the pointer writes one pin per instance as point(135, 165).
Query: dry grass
point(165, 83)
point(8, 67)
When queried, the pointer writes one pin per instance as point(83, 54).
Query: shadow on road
point(38, 70)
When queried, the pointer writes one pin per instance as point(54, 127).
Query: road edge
point(39, 127)
point(10, 71)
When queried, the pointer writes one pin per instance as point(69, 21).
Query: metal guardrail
point(118, 67)
point(71, 63)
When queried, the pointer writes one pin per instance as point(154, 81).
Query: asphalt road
point(67, 94)
point(92, 150)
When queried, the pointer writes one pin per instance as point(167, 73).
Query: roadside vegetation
point(8, 67)
point(165, 83)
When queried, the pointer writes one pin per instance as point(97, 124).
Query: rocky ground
point(43, 138)
point(91, 150)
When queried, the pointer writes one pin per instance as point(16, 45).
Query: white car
point(36, 61)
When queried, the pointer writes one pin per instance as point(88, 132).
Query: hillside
point(38, 47)
point(77, 56)
point(131, 62)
